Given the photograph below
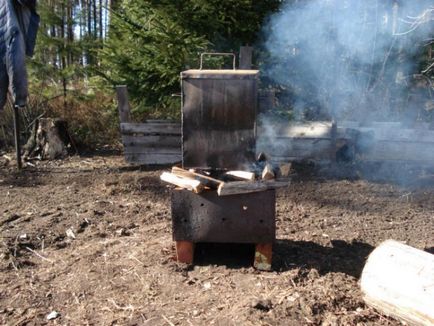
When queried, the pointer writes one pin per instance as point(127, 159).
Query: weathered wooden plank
point(379, 151)
point(158, 159)
point(152, 141)
point(123, 103)
point(151, 128)
point(317, 130)
point(400, 151)
point(400, 135)
point(246, 54)
point(383, 144)
point(385, 124)
point(348, 124)
point(373, 124)
point(296, 147)
point(151, 150)
point(160, 121)
point(285, 159)
point(392, 131)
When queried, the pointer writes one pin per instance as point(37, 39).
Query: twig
point(39, 255)
point(129, 307)
point(428, 69)
point(415, 22)
point(167, 320)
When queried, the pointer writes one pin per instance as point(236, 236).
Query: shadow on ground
point(342, 256)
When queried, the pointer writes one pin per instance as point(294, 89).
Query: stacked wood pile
point(228, 182)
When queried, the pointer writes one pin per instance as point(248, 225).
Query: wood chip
point(189, 184)
point(241, 175)
point(268, 173)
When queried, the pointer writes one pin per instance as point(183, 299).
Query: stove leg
point(263, 255)
point(185, 252)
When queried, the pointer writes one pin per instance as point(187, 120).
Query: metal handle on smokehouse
point(217, 54)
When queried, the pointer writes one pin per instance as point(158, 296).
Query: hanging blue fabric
point(19, 24)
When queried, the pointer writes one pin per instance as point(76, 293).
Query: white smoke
point(353, 58)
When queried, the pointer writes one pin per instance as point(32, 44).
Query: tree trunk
point(48, 140)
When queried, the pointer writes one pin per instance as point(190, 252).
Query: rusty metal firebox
point(206, 217)
point(218, 132)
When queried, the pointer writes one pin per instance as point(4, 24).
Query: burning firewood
point(185, 183)
point(241, 175)
point(203, 179)
point(268, 173)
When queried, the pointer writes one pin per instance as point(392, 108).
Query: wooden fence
point(380, 141)
point(392, 141)
point(151, 142)
point(284, 143)
point(159, 142)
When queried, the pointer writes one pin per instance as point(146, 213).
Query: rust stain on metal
point(185, 252)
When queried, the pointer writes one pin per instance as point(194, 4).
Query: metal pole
point(17, 136)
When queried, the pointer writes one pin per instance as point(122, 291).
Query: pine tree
point(146, 50)
point(150, 42)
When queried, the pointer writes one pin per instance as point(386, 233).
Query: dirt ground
point(90, 238)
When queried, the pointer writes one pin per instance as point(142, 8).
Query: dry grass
point(91, 116)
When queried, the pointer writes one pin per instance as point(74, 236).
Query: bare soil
point(90, 238)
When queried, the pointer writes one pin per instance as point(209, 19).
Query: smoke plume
point(354, 59)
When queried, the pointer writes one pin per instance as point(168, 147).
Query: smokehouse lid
point(220, 74)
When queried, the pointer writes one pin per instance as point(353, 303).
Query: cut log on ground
point(189, 184)
point(398, 280)
point(245, 187)
point(203, 179)
point(241, 175)
point(268, 173)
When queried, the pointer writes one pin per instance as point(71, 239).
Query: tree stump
point(398, 280)
point(48, 140)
